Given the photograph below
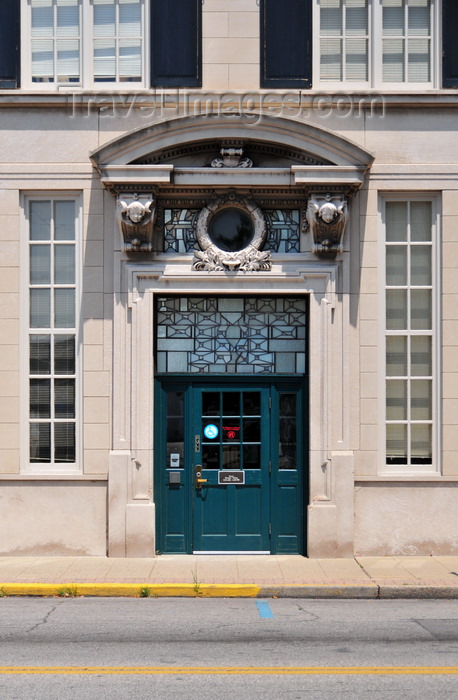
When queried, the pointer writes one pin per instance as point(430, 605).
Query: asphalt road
point(61, 649)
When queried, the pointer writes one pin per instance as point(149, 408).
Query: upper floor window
point(88, 43)
point(359, 44)
point(344, 40)
point(110, 49)
point(378, 42)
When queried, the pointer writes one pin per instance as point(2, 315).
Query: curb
point(217, 590)
point(417, 591)
point(344, 591)
point(187, 590)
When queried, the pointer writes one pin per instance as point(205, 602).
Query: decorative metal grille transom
point(283, 230)
point(231, 335)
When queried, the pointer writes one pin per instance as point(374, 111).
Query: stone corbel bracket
point(136, 216)
point(327, 217)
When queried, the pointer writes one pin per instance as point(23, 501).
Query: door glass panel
point(251, 456)
point(231, 430)
point(231, 403)
point(251, 403)
point(210, 403)
point(175, 430)
point(251, 430)
point(287, 443)
point(231, 457)
point(210, 457)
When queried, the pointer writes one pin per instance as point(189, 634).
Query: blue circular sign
point(211, 431)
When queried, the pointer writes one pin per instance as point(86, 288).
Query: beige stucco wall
point(406, 519)
point(52, 518)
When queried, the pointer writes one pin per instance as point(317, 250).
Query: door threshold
point(230, 552)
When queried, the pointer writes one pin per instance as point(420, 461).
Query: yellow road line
point(231, 670)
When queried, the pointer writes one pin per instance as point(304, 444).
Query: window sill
point(53, 477)
point(393, 478)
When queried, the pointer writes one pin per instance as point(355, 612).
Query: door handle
point(199, 480)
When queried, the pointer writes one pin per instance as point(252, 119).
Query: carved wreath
point(250, 258)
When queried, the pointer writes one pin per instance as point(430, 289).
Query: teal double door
point(229, 465)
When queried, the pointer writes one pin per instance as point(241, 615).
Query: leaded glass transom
point(180, 230)
point(283, 230)
point(231, 335)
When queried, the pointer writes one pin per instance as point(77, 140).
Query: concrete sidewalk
point(232, 575)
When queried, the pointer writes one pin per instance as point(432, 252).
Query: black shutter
point(286, 43)
point(9, 43)
point(450, 43)
point(176, 43)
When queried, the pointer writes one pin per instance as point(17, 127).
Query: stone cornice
point(75, 102)
point(125, 177)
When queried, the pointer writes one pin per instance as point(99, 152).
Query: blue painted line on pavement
point(264, 609)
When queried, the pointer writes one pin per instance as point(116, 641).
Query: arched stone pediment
point(202, 154)
point(281, 152)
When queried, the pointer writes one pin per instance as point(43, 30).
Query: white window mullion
point(405, 46)
point(344, 40)
point(409, 341)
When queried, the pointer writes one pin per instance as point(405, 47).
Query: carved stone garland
point(213, 258)
point(327, 217)
point(136, 216)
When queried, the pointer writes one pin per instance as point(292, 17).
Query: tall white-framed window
point(411, 337)
point(51, 363)
point(84, 43)
point(389, 44)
